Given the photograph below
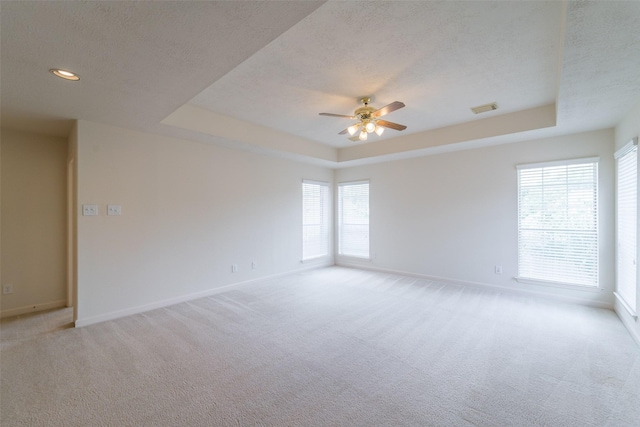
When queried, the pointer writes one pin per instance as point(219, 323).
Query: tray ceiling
point(255, 75)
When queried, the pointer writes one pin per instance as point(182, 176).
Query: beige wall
point(33, 232)
point(72, 220)
point(189, 211)
point(453, 216)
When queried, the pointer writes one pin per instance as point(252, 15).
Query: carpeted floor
point(329, 347)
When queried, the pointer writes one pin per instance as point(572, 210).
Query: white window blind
point(353, 219)
point(558, 222)
point(627, 223)
point(315, 219)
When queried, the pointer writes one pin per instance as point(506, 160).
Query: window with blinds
point(315, 219)
point(353, 219)
point(627, 223)
point(558, 222)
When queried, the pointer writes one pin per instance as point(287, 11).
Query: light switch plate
point(114, 210)
point(89, 210)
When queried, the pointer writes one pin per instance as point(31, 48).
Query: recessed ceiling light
point(64, 74)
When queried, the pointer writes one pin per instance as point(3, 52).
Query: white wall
point(189, 211)
point(454, 216)
point(628, 128)
point(33, 221)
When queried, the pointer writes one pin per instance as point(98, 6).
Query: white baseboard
point(628, 321)
point(32, 308)
point(86, 321)
point(527, 292)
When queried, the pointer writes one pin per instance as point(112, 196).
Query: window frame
point(324, 222)
point(623, 235)
point(340, 221)
point(542, 272)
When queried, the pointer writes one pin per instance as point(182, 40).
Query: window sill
point(316, 259)
point(558, 284)
point(626, 306)
point(354, 257)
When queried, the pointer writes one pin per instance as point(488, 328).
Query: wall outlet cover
point(114, 210)
point(89, 210)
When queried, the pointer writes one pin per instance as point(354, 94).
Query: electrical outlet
point(7, 289)
point(89, 210)
point(498, 269)
point(234, 268)
point(114, 210)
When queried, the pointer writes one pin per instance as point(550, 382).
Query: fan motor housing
point(364, 112)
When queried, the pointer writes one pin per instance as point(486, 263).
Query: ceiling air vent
point(485, 108)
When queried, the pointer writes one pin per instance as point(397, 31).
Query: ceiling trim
point(263, 139)
point(510, 123)
point(204, 121)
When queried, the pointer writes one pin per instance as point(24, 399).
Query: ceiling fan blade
point(390, 125)
point(338, 115)
point(396, 105)
point(354, 138)
point(343, 132)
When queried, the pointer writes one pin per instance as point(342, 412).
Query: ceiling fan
point(368, 120)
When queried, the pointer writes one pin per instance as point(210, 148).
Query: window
point(558, 222)
point(626, 224)
point(353, 219)
point(315, 219)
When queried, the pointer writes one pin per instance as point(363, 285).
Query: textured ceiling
point(138, 60)
point(440, 59)
point(254, 75)
point(600, 75)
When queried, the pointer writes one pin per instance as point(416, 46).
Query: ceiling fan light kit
point(368, 120)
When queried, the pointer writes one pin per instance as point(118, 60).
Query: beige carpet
point(330, 347)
